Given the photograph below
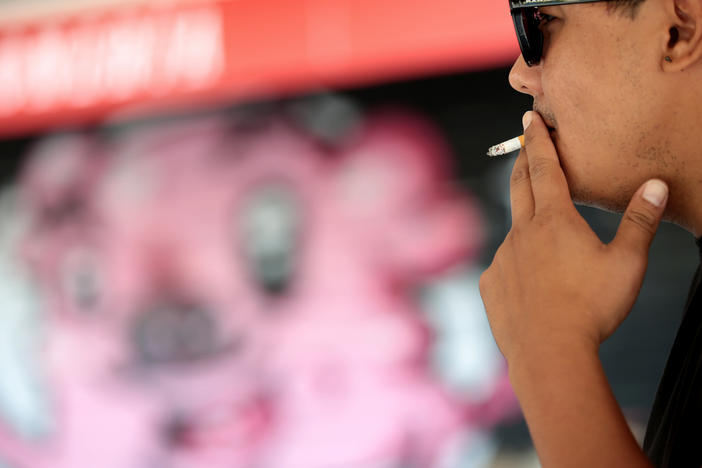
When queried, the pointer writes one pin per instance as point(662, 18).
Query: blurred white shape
point(465, 354)
point(22, 401)
point(475, 449)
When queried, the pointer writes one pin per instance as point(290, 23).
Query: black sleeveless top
point(674, 433)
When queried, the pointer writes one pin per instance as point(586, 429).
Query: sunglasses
point(527, 23)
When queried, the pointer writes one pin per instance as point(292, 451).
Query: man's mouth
point(548, 118)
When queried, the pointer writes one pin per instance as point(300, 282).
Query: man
point(617, 88)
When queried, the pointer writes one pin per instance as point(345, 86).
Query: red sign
point(90, 66)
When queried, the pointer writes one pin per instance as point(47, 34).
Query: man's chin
point(615, 204)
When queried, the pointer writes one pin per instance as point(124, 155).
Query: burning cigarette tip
point(506, 147)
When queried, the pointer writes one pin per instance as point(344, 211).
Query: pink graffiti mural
point(221, 294)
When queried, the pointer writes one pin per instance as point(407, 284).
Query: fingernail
point(655, 192)
point(526, 119)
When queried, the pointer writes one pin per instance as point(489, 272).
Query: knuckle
point(514, 231)
point(540, 167)
point(546, 226)
point(484, 282)
point(517, 235)
point(519, 175)
point(529, 136)
point(545, 219)
point(642, 219)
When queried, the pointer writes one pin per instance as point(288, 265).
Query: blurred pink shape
point(228, 297)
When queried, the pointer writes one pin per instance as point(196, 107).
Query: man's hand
point(553, 293)
point(552, 279)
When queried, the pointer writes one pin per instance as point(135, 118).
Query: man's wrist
point(551, 356)
point(573, 417)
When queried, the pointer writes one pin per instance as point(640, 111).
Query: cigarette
point(506, 147)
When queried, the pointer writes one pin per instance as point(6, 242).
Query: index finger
point(520, 192)
point(548, 181)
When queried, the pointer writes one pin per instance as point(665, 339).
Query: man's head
point(618, 82)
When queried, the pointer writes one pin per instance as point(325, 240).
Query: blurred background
point(249, 233)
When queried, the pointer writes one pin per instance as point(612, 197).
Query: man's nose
point(525, 79)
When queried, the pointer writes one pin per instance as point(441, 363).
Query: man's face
point(598, 87)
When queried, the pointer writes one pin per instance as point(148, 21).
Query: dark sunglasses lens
point(531, 39)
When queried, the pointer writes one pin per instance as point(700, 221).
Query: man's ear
point(684, 40)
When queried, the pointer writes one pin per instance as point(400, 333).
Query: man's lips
point(548, 117)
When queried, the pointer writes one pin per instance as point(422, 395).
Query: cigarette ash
point(498, 150)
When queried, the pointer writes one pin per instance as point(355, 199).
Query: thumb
point(641, 218)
